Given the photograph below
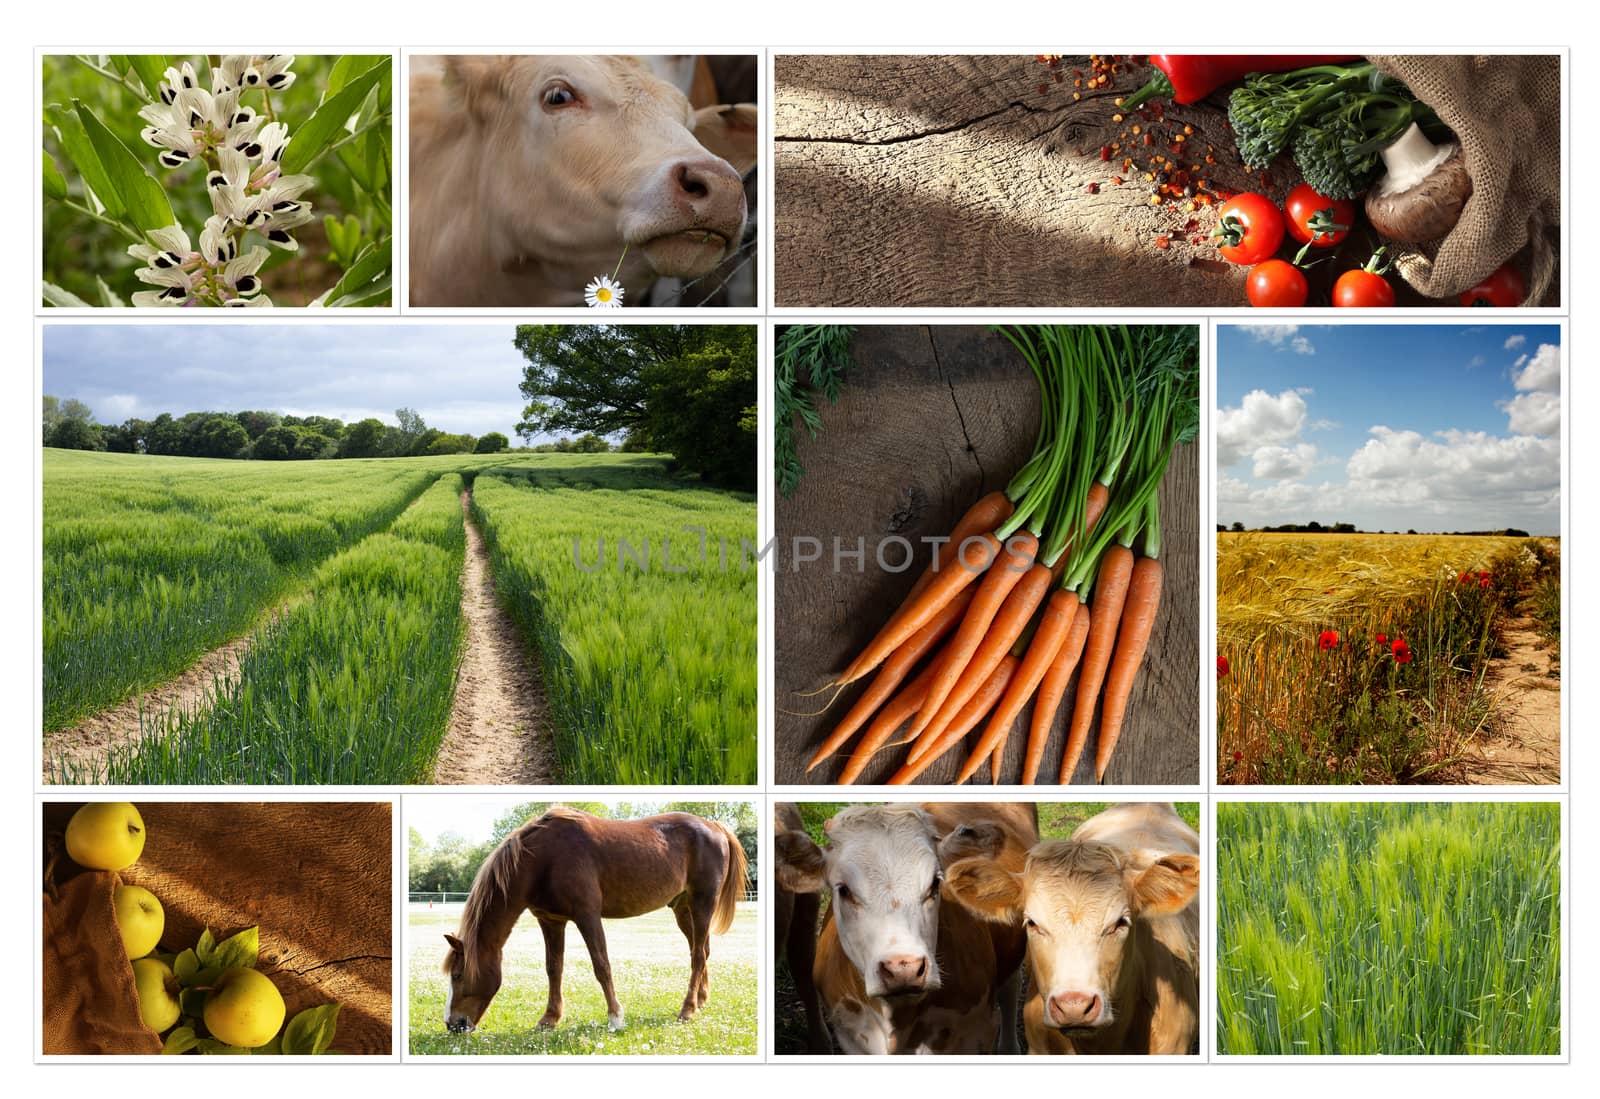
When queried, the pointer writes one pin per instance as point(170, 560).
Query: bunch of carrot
point(983, 616)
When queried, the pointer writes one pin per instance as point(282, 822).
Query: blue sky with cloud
point(1431, 427)
point(461, 378)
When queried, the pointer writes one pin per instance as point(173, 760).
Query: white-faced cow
point(901, 967)
point(532, 175)
point(1113, 931)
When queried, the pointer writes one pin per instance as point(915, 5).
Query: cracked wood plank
point(929, 419)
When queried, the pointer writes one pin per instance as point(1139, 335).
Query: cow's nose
point(1073, 1009)
point(711, 189)
point(904, 973)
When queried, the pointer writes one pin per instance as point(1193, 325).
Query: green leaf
point(205, 978)
point(185, 966)
point(273, 1047)
point(239, 950)
point(80, 150)
point(311, 1031)
point(108, 296)
point(327, 123)
point(180, 1040)
point(141, 196)
point(62, 299)
point(366, 283)
point(54, 185)
point(192, 1002)
point(206, 947)
point(211, 1045)
point(149, 67)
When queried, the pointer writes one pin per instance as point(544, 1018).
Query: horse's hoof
point(549, 1022)
point(615, 1022)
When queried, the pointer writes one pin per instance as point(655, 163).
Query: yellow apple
point(140, 919)
point(105, 835)
point(244, 1008)
point(158, 1000)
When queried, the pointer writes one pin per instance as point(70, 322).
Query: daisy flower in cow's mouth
point(603, 293)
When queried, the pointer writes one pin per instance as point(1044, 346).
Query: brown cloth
point(90, 1005)
point(1506, 111)
point(314, 876)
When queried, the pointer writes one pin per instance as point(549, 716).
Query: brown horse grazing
point(569, 866)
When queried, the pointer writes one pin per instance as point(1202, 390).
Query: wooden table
point(929, 419)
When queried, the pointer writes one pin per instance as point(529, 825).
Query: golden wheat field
point(1381, 659)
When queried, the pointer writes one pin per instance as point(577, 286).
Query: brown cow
point(530, 176)
point(1113, 931)
point(900, 968)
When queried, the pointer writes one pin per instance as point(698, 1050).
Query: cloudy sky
point(1390, 427)
point(461, 378)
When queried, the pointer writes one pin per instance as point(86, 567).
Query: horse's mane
point(496, 879)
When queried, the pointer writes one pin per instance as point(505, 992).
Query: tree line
point(448, 863)
point(1314, 527)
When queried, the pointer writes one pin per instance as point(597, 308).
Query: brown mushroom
point(1423, 191)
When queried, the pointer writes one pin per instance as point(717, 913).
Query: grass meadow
point(650, 665)
point(1362, 658)
point(649, 969)
point(1388, 928)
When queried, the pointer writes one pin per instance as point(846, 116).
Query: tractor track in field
point(1526, 684)
point(500, 725)
point(90, 741)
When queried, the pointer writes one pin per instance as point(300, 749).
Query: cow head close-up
point(588, 154)
point(881, 863)
point(1083, 904)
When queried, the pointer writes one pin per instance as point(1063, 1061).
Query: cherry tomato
point(1504, 289)
point(1249, 229)
point(1317, 221)
point(1275, 284)
point(1363, 289)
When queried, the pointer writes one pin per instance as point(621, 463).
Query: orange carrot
point(894, 671)
point(982, 702)
point(1110, 591)
point(1053, 687)
point(1015, 613)
point(890, 718)
point(975, 557)
point(1138, 617)
point(981, 518)
point(1005, 575)
point(1059, 614)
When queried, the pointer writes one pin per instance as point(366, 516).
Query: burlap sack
point(314, 876)
point(90, 1005)
point(1506, 110)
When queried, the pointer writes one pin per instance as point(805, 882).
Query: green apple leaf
point(311, 1031)
point(62, 299)
point(239, 951)
point(185, 966)
point(142, 197)
point(205, 947)
point(328, 121)
point(273, 1047)
point(206, 978)
point(211, 1045)
point(180, 1040)
point(192, 1002)
point(54, 185)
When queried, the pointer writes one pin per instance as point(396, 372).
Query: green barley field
point(1389, 928)
point(345, 575)
point(649, 969)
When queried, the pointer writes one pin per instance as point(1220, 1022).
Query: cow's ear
point(729, 131)
point(481, 80)
point(981, 839)
point(800, 865)
point(985, 888)
point(1167, 885)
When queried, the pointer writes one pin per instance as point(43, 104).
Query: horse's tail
point(732, 882)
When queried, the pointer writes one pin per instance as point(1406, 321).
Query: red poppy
point(1328, 640)
point(1222, 666)
point(1380, 639)
point(1484, 583)
point(1401, 651)
point(1463, 578)
point(1238, 757)
point(1483, 576)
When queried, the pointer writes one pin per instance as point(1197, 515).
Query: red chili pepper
point(1190, 77)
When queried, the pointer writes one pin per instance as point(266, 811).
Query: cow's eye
point(559, 95)
point(1122, 924)
point(1027, 921)
point(933, 890)
point(842, 891)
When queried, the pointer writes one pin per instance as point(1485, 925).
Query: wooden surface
point(938, 180)
point(929, 419)
point(314, 876)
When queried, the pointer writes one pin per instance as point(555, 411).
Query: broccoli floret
point(1267, 108)
point(1340, 151)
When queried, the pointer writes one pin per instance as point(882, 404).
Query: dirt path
point(1527, 748)
point(89, 742)
point(500, 727)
